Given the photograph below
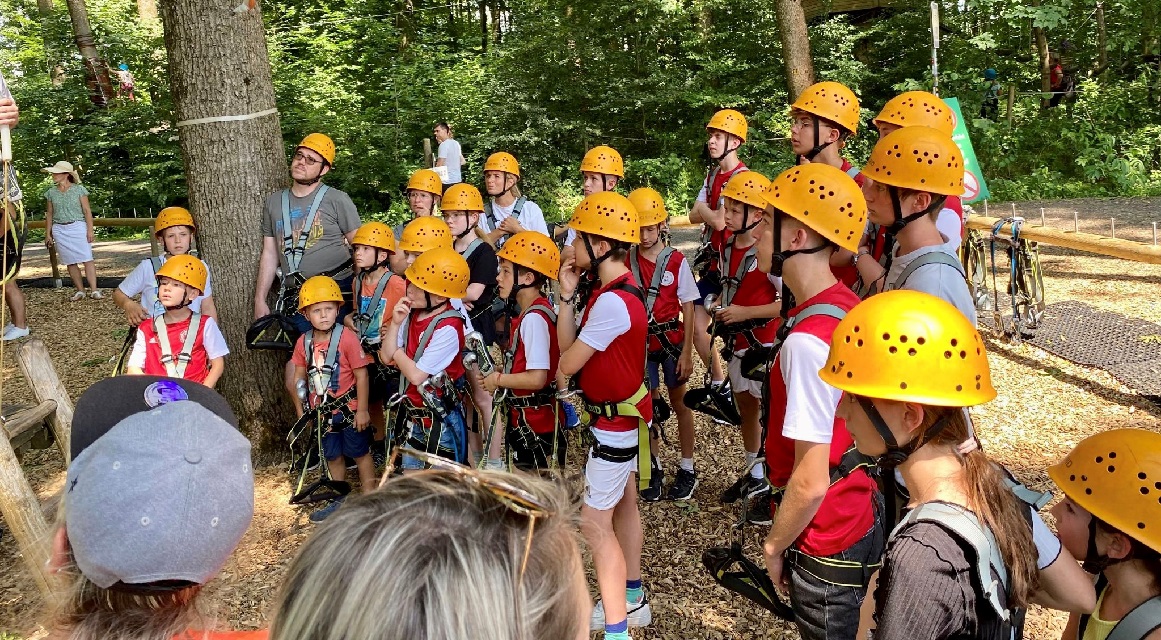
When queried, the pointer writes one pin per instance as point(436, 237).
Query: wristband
point(568, 300)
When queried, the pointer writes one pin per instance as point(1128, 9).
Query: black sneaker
point(379, 453)
point(683, 485)
point(758, 509)
point(747, 485)
point(652, 493)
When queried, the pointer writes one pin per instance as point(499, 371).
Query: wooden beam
point(22, 421)
point(1089, 242)
point(36, 365)
point(21, 510)
point(136, 223)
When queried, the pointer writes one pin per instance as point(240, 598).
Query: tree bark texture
point(96, 70)
point(44, 7)
point(219, 66)
point(795, 46)
point(1040, 41)
point(1102, 39)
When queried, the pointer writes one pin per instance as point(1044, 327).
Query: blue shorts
point(655, 369)
point(349, 442)
point(711, 284)
point(303, 325)
point(453, 438)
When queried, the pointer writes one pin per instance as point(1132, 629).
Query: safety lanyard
point(325, 376)
point(175, 367)
point(425, 338)
point(731, 284)
point(294, 242)
point(654, 289)
point(510, 356)
point(363, 318)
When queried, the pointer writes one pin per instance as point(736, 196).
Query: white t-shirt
point(531, 218)
point(212, 340)
point(458, 305)
point(450, 153)
point(535, 341)
point(949, 224)
point(142, 280)
point(810, 402)
point(939, 280)
point(686, 285)
point(440, 352)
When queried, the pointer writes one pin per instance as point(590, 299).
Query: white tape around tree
point(248, 116)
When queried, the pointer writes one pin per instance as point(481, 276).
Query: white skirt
point(72, 243)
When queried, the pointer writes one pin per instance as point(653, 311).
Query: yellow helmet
point(917, 108)
point(608, 215)
point(425, 180)
point(532, 250)
point(186, 269)
point(425, 233)
point(319, 289)
point(321, 145)
point(173, 217)
point(462, 196)
point(747, 187)
point(602, 159)
point(831, 101)
point(1116, 476)
point(909, 346)
point(729, 121)
point(823, 198)
point(918, 158)
point(375, 234)
point(501, 161)
point(442, 271)
point(650, 206)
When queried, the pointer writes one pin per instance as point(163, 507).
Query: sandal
point(80, 295)
point(96, 294)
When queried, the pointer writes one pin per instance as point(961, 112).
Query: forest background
point(547, 79)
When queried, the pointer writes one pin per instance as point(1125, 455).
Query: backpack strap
point(963, 524)
point(329, 370)
point(175, 366)
point(425, 337)
point(935, 257)
point(1139, 622)
point(294, 244)
point(510, 355)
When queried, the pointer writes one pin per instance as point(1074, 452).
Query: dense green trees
point(546, 78)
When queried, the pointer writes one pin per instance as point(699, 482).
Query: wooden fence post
point(21, 510)
point(1011, 102)
point(36, 365)
point(54, 262)
point(428, 162)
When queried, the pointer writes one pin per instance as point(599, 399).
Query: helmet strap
point(728, 150)
point(1094, 562)
point(779, 257)
point(901, 220)
point(594, 261)
point(385, 262)
point(430, 306)
point(898, 454)
point(818, 146)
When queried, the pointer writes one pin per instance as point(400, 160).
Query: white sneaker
point(13, 332)
point(640, 614)
point(96, 294)
point(80, 295)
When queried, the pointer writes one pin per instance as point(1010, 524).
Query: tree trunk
point(147, 10)
point(44, 6)
point(219, 66)
point(795, 46)
point(1041, 42)
point(1102, 39)
point(483, 7)
point(96, 71)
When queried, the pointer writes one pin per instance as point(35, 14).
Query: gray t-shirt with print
point(326, 247)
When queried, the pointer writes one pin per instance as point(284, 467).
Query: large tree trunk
point(44, 6)
point(219, 66)
point(1040, 40)
point(96, 70)
point(1102, 40)
point(795, 46)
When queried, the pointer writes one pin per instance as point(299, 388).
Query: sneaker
point(378, 457)
point(80, 295)
point(325, 512)
point(652, 493)
point(96, 294)
point(640, 614)
point(683, 485)
point(747, 485)
point(12, 332)
point(758, 510)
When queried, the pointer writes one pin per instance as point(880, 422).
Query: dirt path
point(1045, 406)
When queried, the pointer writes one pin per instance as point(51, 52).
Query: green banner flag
point(975, 188)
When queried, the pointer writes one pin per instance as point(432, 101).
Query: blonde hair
point(431, 555)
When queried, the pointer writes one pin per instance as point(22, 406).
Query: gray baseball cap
point(164, 496)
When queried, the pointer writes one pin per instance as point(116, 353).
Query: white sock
point(756, 472)
point(686, 464)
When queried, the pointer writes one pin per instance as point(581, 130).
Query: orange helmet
point(830, 101)
point(532, 250)
point(603, 159)
point(320, 144)
point(917, 108)
point(187, 270)
point(173, 217)
point(729, 121)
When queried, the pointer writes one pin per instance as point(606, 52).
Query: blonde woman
point(69, 226)
point(444, 554)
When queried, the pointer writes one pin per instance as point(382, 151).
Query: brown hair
point(993, 502)
point(1149, 557)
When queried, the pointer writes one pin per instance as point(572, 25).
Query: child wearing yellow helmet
point(175, 229)
point(1110, 516)
point(203, 350)
point(507, 211)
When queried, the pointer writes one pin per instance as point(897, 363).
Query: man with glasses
point(306, 231)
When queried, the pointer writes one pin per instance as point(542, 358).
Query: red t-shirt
point(617, 373)
point(754, 290)
point(847, 512)
point(415, 328)
point(847, 273)
point(714, 184)
point(667, 306)
point(351, 357)
point(541, 419)
point(199, 364)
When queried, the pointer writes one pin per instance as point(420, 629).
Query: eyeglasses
point(305, 159)
point(514, 498)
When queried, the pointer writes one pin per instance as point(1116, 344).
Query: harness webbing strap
point(510, 355)
point(654, 290)
point(490, 214)
point(731, 284)
point(425, 338)
point(294, 243)
point(329, 369)
point(935, 257)
point(626, 408)
point(363, 319)
point(1139, 622)
point(175, 367)
point(472, 246)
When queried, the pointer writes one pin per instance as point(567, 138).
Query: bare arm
point(475, 290)
point(48, 223)
point(209, 308)
point(267, 265)
point(1065, 586)
point(217, 366)
point(363, 395)
point(804, 493)
point(532, 380)
point(577, 355)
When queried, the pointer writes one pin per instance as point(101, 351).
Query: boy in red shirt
point(608, 356)
point(670, 292)
point(534, 440)
point(745, 316)
point(329, 363)
point(180, 343)
point(826, 539)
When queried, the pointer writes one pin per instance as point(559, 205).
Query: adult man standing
point(450, 154)
point(306, 231)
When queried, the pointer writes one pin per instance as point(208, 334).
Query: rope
point(10, 228)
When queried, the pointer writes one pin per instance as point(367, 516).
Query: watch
point(855, 258)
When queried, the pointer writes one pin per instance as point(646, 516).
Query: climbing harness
point(521, 441)
point(439, 403)
point(1025, 280)
point(175, 365)
point(670, 349)
point(328, 414)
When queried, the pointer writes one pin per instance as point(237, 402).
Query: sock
point(618, 635)
point(622, 628)
point(634, 592)
point(757, 472)
point(687, 464)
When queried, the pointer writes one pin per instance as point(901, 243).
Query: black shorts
point(541, 453)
